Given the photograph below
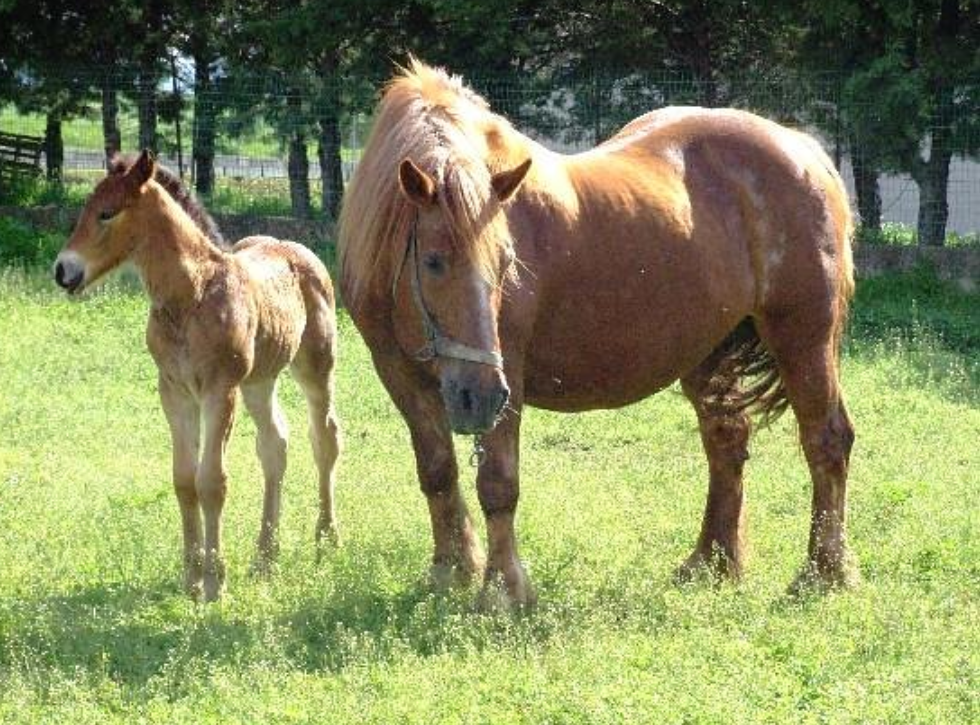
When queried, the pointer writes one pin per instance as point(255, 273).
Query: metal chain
point(479, 454)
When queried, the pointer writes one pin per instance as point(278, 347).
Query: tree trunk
point(298, 163)
point(331, 166)
point(299, 176)
point(205, 112)
point(866, 188)
point(933, 199)
point(54, 147)
point(932, 176)
point(111, 137)
point(147, 103)
point(328, 151)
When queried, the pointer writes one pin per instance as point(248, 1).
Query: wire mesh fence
point(271, 143)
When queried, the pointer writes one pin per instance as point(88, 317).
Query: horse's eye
point(106, 214)
point(434, 262)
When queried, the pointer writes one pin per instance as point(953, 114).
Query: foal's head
point(105, 234)
point(458, 256)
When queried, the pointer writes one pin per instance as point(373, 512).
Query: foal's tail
point(752, 382)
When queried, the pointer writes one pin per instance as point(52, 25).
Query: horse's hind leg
point(271, 443)
point(809, 370)
point(313, 370)
point(724, 435)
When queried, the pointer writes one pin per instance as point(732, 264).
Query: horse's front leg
point(184, 417)
point(211, 483)
point(506, 582)
point(457, 557)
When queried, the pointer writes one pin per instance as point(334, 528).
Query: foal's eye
point(106, 214)
point(434, 262)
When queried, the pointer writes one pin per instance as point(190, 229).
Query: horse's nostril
point(466, 400)
point(59, 274)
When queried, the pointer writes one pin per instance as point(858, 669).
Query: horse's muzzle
point(68, 274)
point(473, 408)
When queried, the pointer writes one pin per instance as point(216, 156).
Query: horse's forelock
point(441, 125)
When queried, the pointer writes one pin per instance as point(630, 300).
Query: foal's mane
point(447, 129)
point(120, 164)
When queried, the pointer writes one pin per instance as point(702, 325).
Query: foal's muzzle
point(471, 407)
point(68, 274)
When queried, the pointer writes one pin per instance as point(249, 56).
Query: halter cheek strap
point(436, 343)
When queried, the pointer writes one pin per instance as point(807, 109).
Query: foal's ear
point(417, 185)
point(505, 183)
point(143, 170)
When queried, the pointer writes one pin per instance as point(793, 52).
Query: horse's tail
point(751, 381)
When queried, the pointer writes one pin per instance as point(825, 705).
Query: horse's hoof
point(262, 567)
point(214, 577)
point(714, 568)
point(816, 579)
point(500, 596)
point(327, 537)
point(446, 575)
point(194, 590)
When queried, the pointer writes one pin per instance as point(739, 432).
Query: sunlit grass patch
point(94, 628)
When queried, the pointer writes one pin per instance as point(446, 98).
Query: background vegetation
point(893, 85)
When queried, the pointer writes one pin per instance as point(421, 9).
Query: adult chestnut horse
point(706, 246)
point(222, 318)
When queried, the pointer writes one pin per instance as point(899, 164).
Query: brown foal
point(221, 319)
point(706, 246)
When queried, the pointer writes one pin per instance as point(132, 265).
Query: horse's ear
point(116, 165)
point(505, 183)
point(143, 170)
point(417, 185)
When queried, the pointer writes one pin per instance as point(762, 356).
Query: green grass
point(232, 195)
point(896, 234)
point(93, 627)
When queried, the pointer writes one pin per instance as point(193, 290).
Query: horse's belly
point(588, 357)
point(599, 380)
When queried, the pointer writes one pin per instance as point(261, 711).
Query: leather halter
point(436, 343)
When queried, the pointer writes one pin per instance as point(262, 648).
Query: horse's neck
point(175, 260)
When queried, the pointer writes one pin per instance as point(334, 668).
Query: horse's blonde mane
point(447, 129)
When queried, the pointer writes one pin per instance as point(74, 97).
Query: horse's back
point(294, 299)
point(788, 197)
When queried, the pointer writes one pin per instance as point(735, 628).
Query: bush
point(21, 244)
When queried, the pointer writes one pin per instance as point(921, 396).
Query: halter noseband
point(436, 343)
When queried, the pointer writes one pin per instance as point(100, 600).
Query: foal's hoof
point(715, 568)
point(194, 575)
point(214, 577)
point(505, 594)
point(262, 567)
point(327, 537)
point(819, 579)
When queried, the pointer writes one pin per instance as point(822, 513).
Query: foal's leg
point(457, 556)
point(725, 436)
point(317, 383)
point(184, 418)
point(809, 370)
point(212, 482)
point(271, 437)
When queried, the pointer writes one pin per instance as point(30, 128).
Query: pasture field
point(94, 629)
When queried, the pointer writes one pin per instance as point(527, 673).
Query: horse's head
point(448, 290)
point(105, 234)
